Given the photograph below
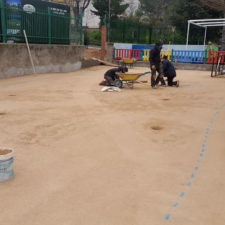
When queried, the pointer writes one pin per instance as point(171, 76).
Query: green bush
point(92, 38)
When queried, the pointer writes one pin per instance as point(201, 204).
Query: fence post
point(209, 57)
point(81, 27)
point(142, 54)
point(150, 35)
point(3, 21)
point(171, 55)
point(205, 56)
point(103, 41)
point(139, 54)
point(138, 37)
point(130, 53)
point(124, 30)
point(49, 26)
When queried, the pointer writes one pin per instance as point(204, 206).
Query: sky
point(92, 20)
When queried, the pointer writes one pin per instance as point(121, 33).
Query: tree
point(131, 10)
point(169, 18)
point(215, 4)
point(184, 10)
point(218, 5)
point(117, 7)
point(76, 5)
point(75, 25)
point(155, 10)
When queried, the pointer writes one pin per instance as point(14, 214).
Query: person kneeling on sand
point(110, 75)
point(169, 72)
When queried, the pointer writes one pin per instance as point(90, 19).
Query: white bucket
point(6, 163)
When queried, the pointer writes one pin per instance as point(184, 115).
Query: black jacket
point(155, 55)
point(112, 72)
point(168, 69)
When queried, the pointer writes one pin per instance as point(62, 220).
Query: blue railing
point(186, 56)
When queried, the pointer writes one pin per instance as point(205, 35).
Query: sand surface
point(138, 157)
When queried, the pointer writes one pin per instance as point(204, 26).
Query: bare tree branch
point(214, 4)
point(76, 5)
point(86, 4)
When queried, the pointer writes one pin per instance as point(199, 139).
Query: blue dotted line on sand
point(202, 153)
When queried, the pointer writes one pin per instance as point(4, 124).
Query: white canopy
point(205, 23)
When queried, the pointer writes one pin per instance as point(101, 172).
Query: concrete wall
point(193, 66)
point(14, 59)
point(109, 52)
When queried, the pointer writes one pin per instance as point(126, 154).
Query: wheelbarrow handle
point(142, 74)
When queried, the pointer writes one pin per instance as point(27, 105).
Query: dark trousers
point(170, 81)
point(156, 79)
point(110, 80)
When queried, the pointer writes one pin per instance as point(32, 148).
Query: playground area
point(141, 156)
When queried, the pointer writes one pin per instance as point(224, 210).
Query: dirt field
point(138, 157)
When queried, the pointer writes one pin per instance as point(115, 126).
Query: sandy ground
point(92, 53)
point(90, 158)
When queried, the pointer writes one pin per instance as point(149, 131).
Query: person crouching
point(169, 72)
point(110, 75)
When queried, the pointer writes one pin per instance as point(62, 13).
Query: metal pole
point(3, 22)
point(81, 27)
point(28, 48)
point(109, 21)
point(49, 27)
point(205, 37)
point(188, 30)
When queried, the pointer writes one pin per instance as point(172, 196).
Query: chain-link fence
point(44, 25)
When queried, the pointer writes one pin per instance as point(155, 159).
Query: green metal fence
point(43, 26)
point(132, 31)
point(125, 30)
point(92, 37)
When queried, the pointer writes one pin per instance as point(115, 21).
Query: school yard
point(138, 157)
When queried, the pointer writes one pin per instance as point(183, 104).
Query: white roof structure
point(205, 23)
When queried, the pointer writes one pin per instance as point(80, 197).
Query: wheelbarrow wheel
point(118, 83)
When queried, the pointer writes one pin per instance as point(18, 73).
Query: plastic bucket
point(6, 163)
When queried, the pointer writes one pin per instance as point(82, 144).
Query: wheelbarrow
point(128, 61)
point(128, 79)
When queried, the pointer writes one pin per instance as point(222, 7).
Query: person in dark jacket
point(155, 65)
point(169, 72)
point(110, 75)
